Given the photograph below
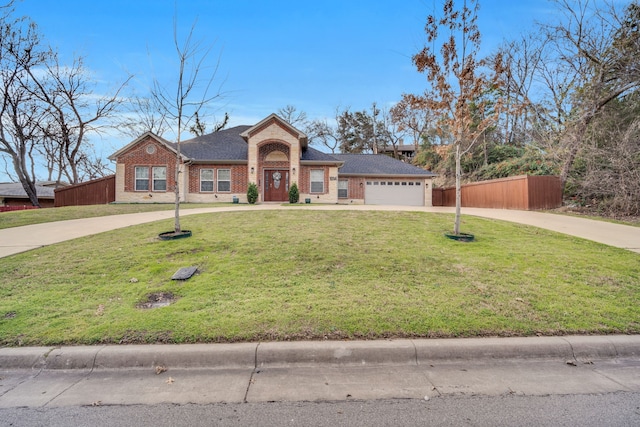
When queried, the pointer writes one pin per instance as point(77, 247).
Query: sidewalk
point(317, 371)
point(21, 239)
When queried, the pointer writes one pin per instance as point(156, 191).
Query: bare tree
point(601, 45)
point(320, 132)
point(144, 115)
point(456, 80)
point(181, 104)
point(414, 119)
point(294, 117)
point(20, 112)
point(72, 112)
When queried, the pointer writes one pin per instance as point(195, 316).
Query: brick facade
point(149, 153)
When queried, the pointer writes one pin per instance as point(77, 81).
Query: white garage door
point(394, 192)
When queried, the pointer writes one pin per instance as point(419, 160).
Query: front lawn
point(301, 274)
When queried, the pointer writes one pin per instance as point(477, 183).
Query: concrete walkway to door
point(21, 239)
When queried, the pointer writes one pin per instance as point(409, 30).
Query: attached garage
point(382, 180)
point(398, 192)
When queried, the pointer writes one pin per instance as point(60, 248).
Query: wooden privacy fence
point(522, 192)
point(97, 192)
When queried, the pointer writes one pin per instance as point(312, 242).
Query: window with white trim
point(224, 180)
point(159, 178)
point(343, 189)
point(142, 178)
point(206, 180)
point(317, 181)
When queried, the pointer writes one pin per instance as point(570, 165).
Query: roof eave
point(387, 175)
point(321, 162)
point(219, 161)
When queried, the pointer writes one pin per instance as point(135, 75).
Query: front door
point(276, 185)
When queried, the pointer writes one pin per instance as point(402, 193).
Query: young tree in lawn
point(457, 80)
point(182, 104)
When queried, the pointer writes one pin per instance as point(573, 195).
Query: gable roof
point(378, 165)
point(274, 118)
point(142, 137)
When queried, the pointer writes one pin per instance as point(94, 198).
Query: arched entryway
point(275, 166)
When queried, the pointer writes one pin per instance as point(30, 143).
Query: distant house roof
point(378, 165)
point(400, 147)
point(15, 190)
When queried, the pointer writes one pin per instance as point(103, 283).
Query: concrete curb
point(338, 353)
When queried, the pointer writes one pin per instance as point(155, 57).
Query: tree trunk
point(30, 189)
point(573, 147)
point(177, 228)
point(456, 226)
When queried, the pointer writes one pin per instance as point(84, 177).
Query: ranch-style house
point(273, 154)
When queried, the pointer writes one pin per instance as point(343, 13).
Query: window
point(317, 181)
point(206, 180)
point(159, 178)
point(224, 180)
point(142, 178)
point(343, 189)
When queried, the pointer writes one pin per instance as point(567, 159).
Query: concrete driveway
point(21, 239)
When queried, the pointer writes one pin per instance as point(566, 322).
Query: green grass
point(38, 216)
point(300, 274)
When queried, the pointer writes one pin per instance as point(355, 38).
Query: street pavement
point(316, 371)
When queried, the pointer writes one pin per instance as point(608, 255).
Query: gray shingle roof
point(223, 145)
point(377, 165)
point(229, 145)
point(15, 189)
point(313, 155)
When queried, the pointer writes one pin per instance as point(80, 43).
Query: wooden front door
point(276, 185)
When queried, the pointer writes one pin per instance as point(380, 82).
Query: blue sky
point(315, 55)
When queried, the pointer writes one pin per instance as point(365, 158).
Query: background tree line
point(561, 100)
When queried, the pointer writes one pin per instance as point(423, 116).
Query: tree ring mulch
point(461, 237)
point(157, 300)
point(173, 235)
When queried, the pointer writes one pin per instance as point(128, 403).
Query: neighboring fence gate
point(517, 192)
point(97, 192)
